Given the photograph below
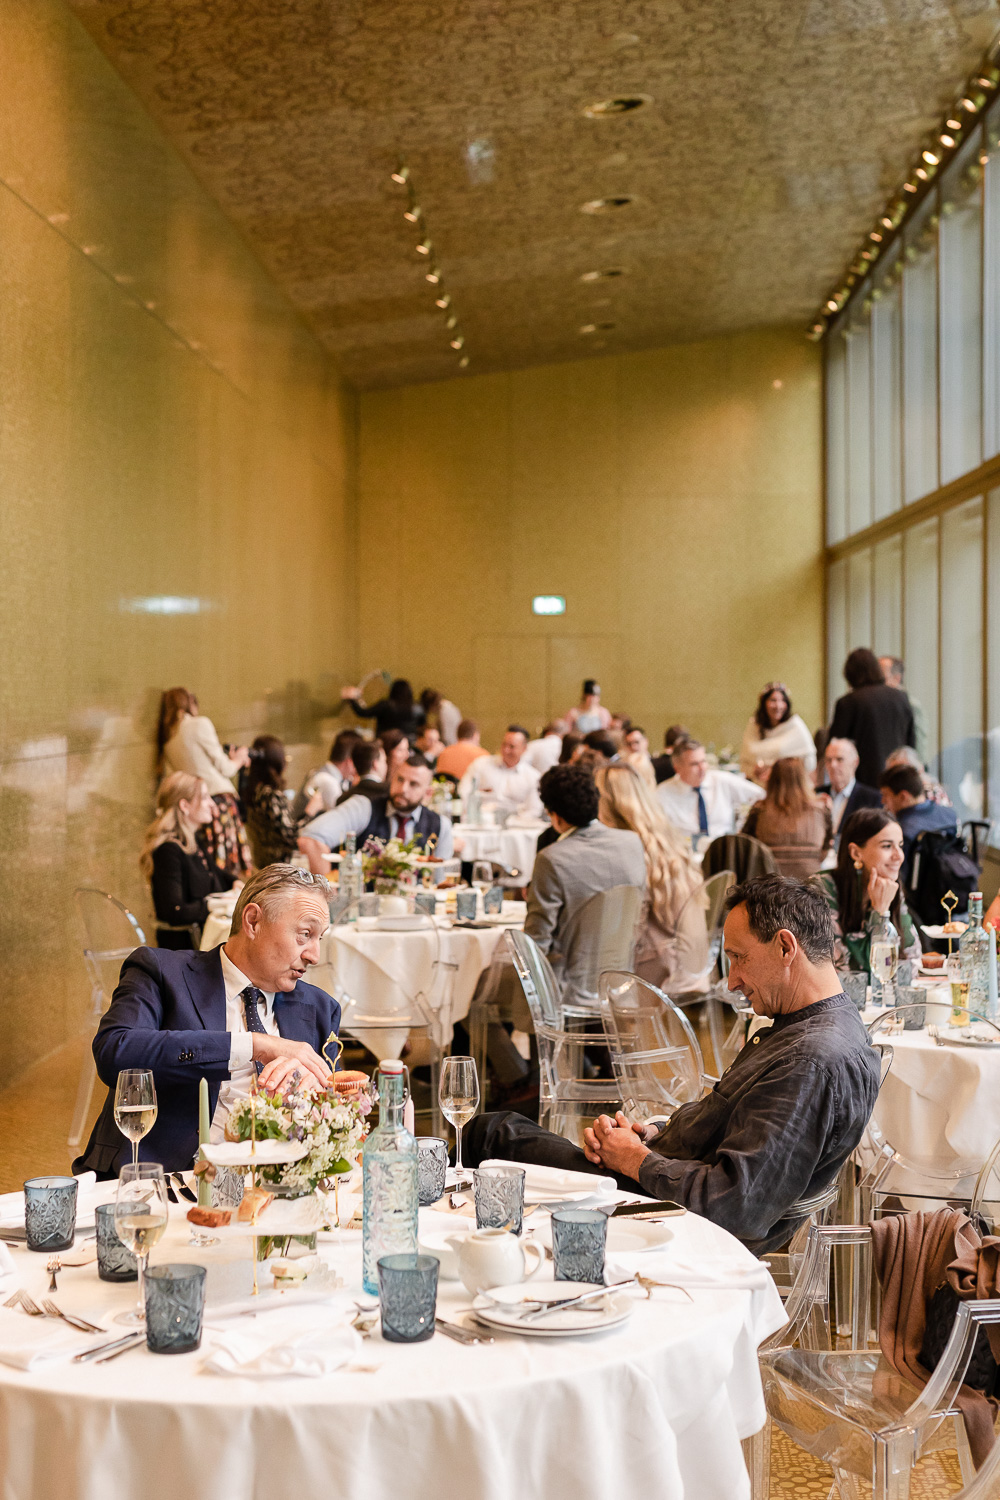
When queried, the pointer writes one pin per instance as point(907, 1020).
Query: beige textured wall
point(673, 498)
point(167, 427)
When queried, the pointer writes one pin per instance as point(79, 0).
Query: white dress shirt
point(241, 1066)
point(839, 801)
point(329, 782)
point(724, 793)
point(515, 788)
point(543, 754)
point(353, 816)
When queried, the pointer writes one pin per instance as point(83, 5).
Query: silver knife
point(107, 1349)
point(461, 1335)
point(568, 1303)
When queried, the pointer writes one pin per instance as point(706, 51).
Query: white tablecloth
point(940, 1103)
point(511, 846)
point(656, 1408)
point(384, 971)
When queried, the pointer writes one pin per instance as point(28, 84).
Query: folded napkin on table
point(89, 1194)
point(27, 1342)
point(555, 1182)
point(284, 1343)
point(267, 1301)
point(713, 1275)
point(7, 1267)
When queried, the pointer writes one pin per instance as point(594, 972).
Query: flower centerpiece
point(331, 1125)
point(390, 866)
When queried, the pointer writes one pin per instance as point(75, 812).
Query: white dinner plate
point(939, 932)
point(568, 1322)
point(933, 973)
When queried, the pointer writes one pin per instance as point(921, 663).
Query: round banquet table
point(939, 1103)
point(386, 970)
point(655, 1407)
point(510, 846)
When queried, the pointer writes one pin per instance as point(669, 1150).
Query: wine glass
point(458, 1094)
point(140, 1219)
point(135, 1105)
point(482, 874)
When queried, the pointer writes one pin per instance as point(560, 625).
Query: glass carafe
point(389, 1174)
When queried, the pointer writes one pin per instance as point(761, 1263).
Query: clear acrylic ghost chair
point(896, 1169)
point(112, 933)
point(655, 1055)
point(566, 1102)
point(984, 1209)
point(986, 1484)
point(833, 1393)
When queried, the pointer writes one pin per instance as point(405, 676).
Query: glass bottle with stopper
point(974, 957)
point(389, 1177)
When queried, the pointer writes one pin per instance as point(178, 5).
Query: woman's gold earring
point(858, 865)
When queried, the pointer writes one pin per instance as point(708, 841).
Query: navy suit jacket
point(168, 1013)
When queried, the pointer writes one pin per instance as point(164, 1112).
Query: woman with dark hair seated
point(791, 820)
point(273, 832)
point(874, 715)
point(865, 886)
point(179, 874)
point(395, 711)
point(775, 733)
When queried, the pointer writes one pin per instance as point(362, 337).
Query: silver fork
point(30, 1307)
point(14, 1300)
point(71, 1318)
point(52, 1265)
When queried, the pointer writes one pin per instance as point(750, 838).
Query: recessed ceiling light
point(588, 327)
point(946, 140)
point(606, 205)
point(443, 301)
point(953, 124)
point(930, 158)
point(969, 104)
point(463, 362)
point(433, 276)
point(622, 39)
point(604, 275)
point(622, 104)
point(456, 343)
point(451, 321)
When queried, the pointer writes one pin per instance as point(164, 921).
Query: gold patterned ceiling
point(774, 131)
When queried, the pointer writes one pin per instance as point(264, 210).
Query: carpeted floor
point(35, 1114)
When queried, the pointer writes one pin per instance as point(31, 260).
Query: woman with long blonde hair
point(180, 875)
point(672, 946)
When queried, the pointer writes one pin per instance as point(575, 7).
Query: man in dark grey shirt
point(781, 1121)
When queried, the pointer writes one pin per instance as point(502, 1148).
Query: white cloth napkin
point(89, 1194)
point(265, 1302)
point(28, 1342)
point(310, 1343)
point(7, 1267)
point(714, 1275)
point(554, 1182)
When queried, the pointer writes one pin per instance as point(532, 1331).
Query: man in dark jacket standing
point(878, 718)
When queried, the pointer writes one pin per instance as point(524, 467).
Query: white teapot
point(492, 1257)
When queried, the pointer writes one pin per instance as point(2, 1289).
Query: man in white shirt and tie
point(843, 793)
point(702, 802)
point(507, 778)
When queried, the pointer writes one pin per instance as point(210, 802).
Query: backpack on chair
point(939, 863)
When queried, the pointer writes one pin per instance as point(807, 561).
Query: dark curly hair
point(570, 793)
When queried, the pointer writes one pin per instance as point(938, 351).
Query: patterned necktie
point(702, 814)
point(251, 998)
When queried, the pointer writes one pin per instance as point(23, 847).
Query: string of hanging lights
point(414, 214)
point(934, 154)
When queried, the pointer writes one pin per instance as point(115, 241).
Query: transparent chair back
point(111, 933)
point(566, 1100)
point(984, 1209)
point(915, 1172)
point(829, 1388)
point(717, 888)
point(600, 935)
point(655, 1054)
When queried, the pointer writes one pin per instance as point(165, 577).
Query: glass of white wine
point(140, 1220)
point(458, 1095)
point(135, 1106)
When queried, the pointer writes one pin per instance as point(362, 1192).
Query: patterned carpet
point(797, 1476)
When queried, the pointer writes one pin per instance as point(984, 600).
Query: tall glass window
point(959, 292)
point(836, 438)
point(859, 447)
point(992, 650)
point(920, 630)
point(961, 757)
point(991, 286)
point(920, 441)
point(837, 640)
point(859, 598)
point(886, 352)
point(887, 597)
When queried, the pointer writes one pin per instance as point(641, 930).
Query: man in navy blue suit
point(221, 1015)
